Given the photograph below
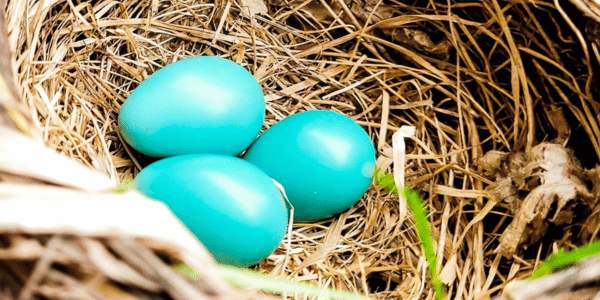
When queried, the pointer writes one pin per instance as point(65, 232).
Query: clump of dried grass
point(555, 185)
point(472, 77)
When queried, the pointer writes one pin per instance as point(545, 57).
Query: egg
point(203, 104)
point(231, 206)
point(323, 159)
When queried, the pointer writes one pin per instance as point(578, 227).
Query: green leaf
point(124, 187)
point(245, 278)
point(415, 203)
point(385, 181)
point(564, 258)
point(186, 271)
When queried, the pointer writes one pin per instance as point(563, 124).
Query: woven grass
point(474, 78)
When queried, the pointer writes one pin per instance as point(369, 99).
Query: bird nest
point(503, 96)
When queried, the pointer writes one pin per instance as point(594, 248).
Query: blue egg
point(323, 159)
point(233, 207)
point(203, 104)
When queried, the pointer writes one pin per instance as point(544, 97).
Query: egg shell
point(323, 159)
point(202, 104)
point(233, 207)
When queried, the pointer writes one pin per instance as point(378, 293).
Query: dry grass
point(471, 76)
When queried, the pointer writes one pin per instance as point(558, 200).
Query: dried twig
point(584, 276)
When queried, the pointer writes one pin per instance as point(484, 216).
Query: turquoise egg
point(203, 104)
point(233, 207)
point(323, 159)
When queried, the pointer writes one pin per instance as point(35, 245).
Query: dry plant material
point(70, 267)
point(553, 183)
point(590, 8)
point(12, 111)
point(581, 281)
point(472, 77)
point(591, 228)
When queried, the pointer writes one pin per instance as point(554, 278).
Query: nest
point(497, 92)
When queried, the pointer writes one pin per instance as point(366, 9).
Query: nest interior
point(478, 80)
